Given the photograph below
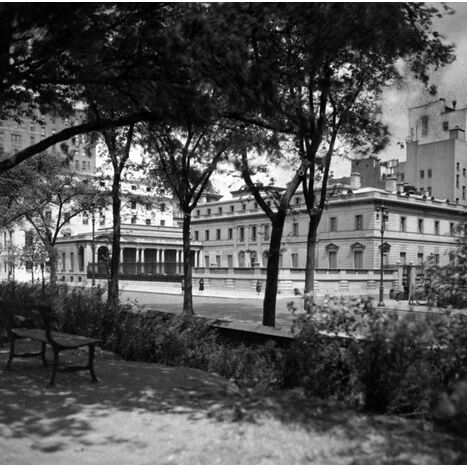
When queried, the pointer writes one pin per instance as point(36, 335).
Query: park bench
point(34, 323)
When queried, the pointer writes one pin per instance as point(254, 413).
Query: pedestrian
point(201, 286)
point(258, 286)
point(183, 286)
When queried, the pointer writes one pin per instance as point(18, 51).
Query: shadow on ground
point(133, 393)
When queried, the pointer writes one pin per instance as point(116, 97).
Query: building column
point(141, 260)
point(162, 253)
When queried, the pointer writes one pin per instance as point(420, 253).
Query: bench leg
point(44, 360)
point(92, 348)
point(12, 353)
point(55, 368)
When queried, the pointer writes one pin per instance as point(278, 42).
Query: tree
point(45, 195)
point(314, 72)
point(449, 282)
point(33, 254)
point(187, 154)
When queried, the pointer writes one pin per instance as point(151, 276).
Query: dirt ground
point(141, 413)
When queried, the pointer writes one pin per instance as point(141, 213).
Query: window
point(457, 181)
point(403, 224)
point(253, 233)
point(463, 172)
point(256, 206)
point(333, 224)
point(209, 211)
point(266, 231)
point(76, 165)
point(133, 219)
point(219, 209)
point(463, 193)
point(358, 259)
point(148, 221)
point(445, 126)
point(218, 261)
point(402, 176)
point(85, 219)
point(15, 139)
point(451, 229)
point(295, 260)
point(230, 261)
point(148, 206)
point(358, 222)
point(133, 187)
point(32, 140)
point(197, 212)
point(403, 258)
point(295, 229)
point(42, 130)
point(162, 222)
point(101, 219)
point(436, 227)
point(148, 188)
point(133, 205)
point(72, 261)
point(63, 261)
point(422, 174)
point(420, 226)
point(297, 200)
point(243, 207)
point(102, 184)
point(332, 259)
point(84, 165)
point(196, 235)
point(229, 233)
point(162, 207)
point(48, 215)
point(241, 232)
point(66, 217)
point(218, 234)
point(429, 173)
point(206, 235)
point(420, 258)
point(424, 125)
point(232, 208)
point(458, 166)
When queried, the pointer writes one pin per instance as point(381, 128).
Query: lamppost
point(93, 247)
point(384, 212)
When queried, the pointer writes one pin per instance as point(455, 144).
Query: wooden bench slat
point(62, 339)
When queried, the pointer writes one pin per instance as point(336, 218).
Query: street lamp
point(93, 247)
point(384, 212)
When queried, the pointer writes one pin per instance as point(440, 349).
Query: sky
point(451, 82)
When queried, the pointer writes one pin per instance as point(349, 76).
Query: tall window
point(451, 228)
point(230, 233)
point(72, 261)
point(403, 258)
point(422, 174)
point(63, 261)
point(429, 173)
point(403, 223)
point(457, 181)
point(133, 205)
point(420, 226)
point(196, 235)
point(253, 233)
point(436, 227)
point(295, 229)
point(295, 260)
point(333, 224)
point(424, 125)
point(358, 222)
point(358, 259)
point(241, 232)
point(266, 231)
point(85, 218)
point(332, 259)
point(420, 258)
point(66, 217)
point(206, 234)
point(218, 234)
point(133, 219)
point(445, 126)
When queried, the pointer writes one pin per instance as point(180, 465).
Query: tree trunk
point(270, 293)
point(187, 267)
point(113, 289)
point(52, 265)
point(311, 253)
